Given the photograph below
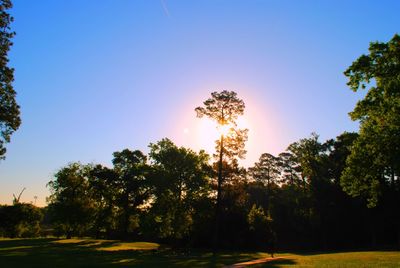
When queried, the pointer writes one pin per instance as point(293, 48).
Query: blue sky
point(97, 76)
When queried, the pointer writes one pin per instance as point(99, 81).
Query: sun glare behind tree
point(224, 108)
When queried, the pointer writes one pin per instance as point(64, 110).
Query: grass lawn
point(48, 252)
point(363, 259)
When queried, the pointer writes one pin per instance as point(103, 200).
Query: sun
point(207, 132)
point(223, 129)
point(265, 131)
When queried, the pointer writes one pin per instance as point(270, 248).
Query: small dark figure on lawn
point(271, 243)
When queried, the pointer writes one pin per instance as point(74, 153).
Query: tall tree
point(9, 110)
point(224, 108)
point(373, 167)
point(266, 171)
point(378, 145)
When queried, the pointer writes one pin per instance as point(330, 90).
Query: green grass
point(48, 252)
point(362, 259)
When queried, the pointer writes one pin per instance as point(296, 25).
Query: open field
point(48, 252)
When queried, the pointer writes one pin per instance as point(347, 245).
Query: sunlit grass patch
point(69, 241)
point(366, 259)
point(86, 242)
point(16, 248)
point(125, 261)
point(130, 246)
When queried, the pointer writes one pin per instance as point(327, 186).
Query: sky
point(98, 76)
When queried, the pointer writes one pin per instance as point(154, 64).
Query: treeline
point(293, 200)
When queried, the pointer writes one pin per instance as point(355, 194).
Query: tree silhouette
point(70, 202)
point(9, 109)
point(133, 189)
point(224, 108)
point(266, 171)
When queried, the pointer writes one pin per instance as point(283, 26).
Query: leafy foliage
point(9, 110)
point(181, 180)
point(224, 107)
point(374, 162)
point(70, 200)
point(20, 220)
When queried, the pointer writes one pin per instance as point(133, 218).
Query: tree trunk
point(373, 230)
point(398, 237)
point(218, 205)
point(126, 216)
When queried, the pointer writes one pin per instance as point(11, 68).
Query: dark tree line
point(293, 200)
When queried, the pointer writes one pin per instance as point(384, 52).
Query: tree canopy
point(9, 110)
point(374, 162)
point(224, 107)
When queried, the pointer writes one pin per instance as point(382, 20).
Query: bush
point(20, 220)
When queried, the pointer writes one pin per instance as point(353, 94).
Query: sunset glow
point(265, 133)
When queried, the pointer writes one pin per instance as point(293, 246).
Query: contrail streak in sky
point(164, 5)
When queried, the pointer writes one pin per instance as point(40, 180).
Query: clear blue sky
point(98, 76)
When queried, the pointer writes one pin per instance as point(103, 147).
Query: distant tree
point(307, 153)
point(289, 168)
point(132, 187)
point(181, 180)
point(266, 170)
point(20, 220)
point(373, 167)
point(312, 158)
point(260, 225)
point(341, 148)
point(104, 193)
point(224, 108)
point(9, 110)
point(70, 202)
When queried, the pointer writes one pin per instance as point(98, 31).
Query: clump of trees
point(293, 200)
point(158, 196)
point(20, 219)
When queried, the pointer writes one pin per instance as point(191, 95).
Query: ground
point(51, 252)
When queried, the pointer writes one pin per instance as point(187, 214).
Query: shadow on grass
point(50, 252)
point(276, 263)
